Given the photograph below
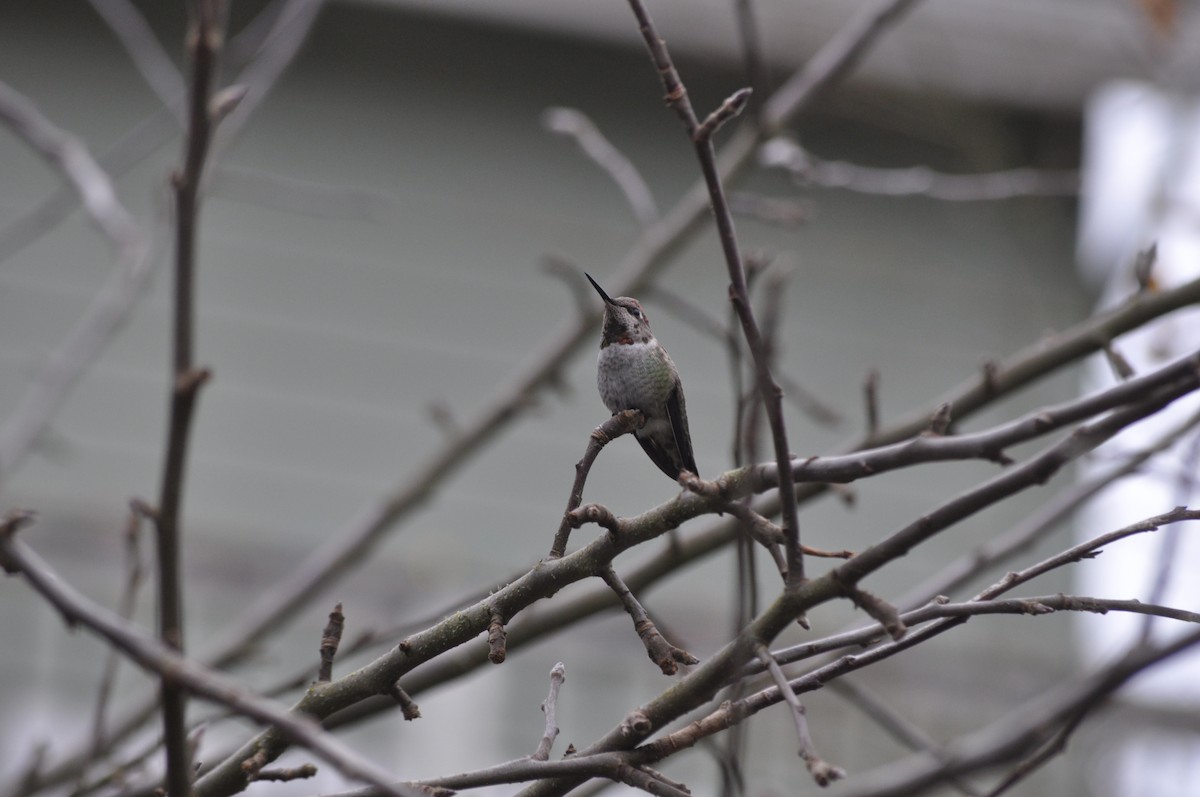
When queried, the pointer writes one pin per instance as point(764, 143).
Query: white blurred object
point(1141, 186)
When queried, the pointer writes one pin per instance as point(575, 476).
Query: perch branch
point(619, 424)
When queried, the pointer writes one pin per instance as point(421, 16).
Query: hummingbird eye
point(636, 313)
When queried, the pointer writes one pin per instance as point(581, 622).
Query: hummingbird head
point(625, 321)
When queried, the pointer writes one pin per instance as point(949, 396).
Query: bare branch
point(733, 105)
point(1172, 381)
point(408, 708)
point(497, 639)
point(301, 772)
point(809, 170)
point(871, 400)
point(1143, 267)
point(71, 158)
point(1020, 537)
point(757, 70)
point(823, 773)
point(558, 674)
point(147, 54)
point(836, 58)
point(786, 212)
point(1015, 735)
point(108, 311)
point(941, 608)
point(574, 123)
point(347, 546)
point(632, 529)
point(161, 659)
point(895, 724)
point(879, 610)
point(769, 391)
point(661, 652)
point(135, 574)
point(619, 424)
point(204, 41)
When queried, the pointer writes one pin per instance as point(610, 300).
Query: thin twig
point(1168, 559)
point(823, 773)
point(871, 400)
point(96, 191)
point(1016, 735)
point(1020, 537)
point(497, 639)
point(558, 674)
point(301, 772)
point(574, 123)
point(148, 56)
point(92, 185)
point(701, 683)
point(786, 212)
point(758, 73)
point(349, 545)
point(408, 708)
point(164, 661)
point(768, 389)
point(895, 724)
point(809, 170)
point(550, 577)
point(619, 424)
point(661, 652)
point(204, 42)
point(730, 714)
point(110, 308)
point(135, 574)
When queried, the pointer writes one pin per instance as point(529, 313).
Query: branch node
point(1117, 362)
point(225, 102)
point(871, 400)
point(878, 610)
point(497, 639)
point(143, 509)
point(702, 487)
point(823, 773)
point(286, 774)
point(636, 725)
point(661, 652)
point(408, 706)
point(991, 377)
point(734, 104)
point(940, 421)
point(1143, 268)
point(595, 513)
point(331, 637)
point(192, 380)
point(254, 764)
point(821, 553)
point(13, 522)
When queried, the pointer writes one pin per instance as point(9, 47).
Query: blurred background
point(372, 274)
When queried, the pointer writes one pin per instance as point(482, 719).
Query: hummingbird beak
point(599, 290)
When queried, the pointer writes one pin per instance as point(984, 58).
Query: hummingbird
point(634, 371)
